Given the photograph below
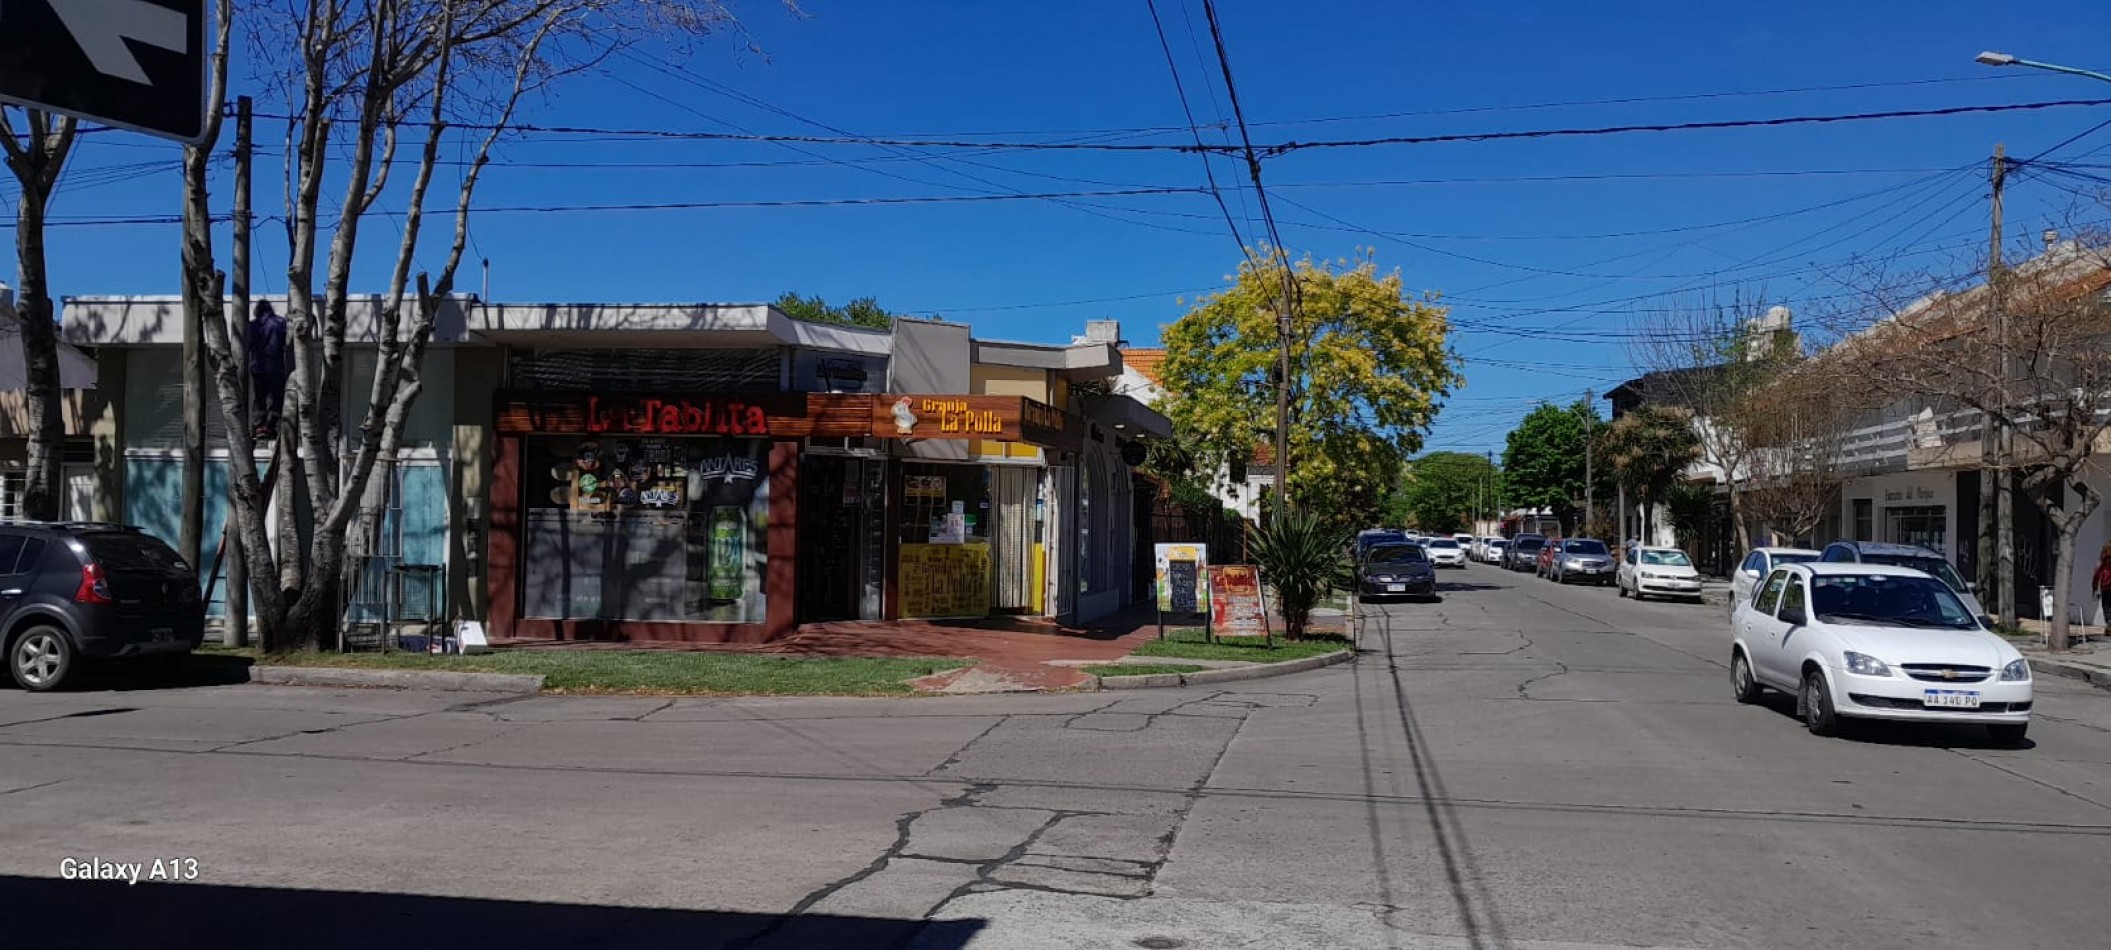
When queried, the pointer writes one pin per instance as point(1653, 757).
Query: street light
point(1991, 58)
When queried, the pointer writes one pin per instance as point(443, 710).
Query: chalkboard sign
point(1182, 584)
point(1180, 578)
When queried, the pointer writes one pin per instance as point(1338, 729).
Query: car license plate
point(163, 634)
point(1951, 698)
point(1396, 588)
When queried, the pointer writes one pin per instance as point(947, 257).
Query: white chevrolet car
point(1872, 641)
point(1657, 572)
point(1445, 552)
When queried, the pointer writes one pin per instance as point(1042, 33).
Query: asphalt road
point(1519, 765)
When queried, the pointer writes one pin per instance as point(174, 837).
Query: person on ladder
point(267, 368)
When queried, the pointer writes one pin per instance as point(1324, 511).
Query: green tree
point(862, 312)
point(1367, 365)
point(1442, 490)
point(1646, 449)
point(1543, 458)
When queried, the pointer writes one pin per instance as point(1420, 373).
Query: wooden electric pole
point(1996, 522)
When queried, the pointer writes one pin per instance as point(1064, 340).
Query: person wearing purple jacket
point(267, 368)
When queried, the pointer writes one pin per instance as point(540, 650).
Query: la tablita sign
point(648, 415)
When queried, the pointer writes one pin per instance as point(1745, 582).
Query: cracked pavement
point(1518, 765)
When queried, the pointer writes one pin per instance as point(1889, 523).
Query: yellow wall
point(1007, 381)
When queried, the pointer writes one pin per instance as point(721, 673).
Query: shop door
point(831, 505)
point(1012, 492)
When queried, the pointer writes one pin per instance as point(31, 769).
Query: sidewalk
point(2086, 660)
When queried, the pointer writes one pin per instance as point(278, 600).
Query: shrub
point(1301, 556)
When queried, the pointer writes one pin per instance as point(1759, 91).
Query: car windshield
point(1530, 544)
point(1498, 544)
point(1780, 559)
point(1935, 566)
point(1584, 546)
point(1396, 554)
point(1444, 543)
point(1888, 600)
point(1667, 558)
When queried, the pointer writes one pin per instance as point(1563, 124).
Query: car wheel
point(1742, 684)
point(2009, 733)
point(1622, 588)
point(40, 658)
point(1818, 715)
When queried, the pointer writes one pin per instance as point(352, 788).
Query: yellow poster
point(945, 580)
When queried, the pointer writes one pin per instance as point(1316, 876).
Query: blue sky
point(1522, 237)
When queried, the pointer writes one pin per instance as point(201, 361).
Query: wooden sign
point(992, 418)
point(1237, 606)
point(749, 415)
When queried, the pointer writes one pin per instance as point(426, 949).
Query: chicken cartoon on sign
point(904, 419)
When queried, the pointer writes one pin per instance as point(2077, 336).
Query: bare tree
point(36, 158)
point(1709, 357)
point(2041, 373)
point(363, 77)
point(1799, 447)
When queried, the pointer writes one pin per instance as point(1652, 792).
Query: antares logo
point(728, 468)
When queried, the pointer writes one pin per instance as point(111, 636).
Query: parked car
point(1760, 563)
point(1583, 560)
point(1921, 559)
point(1465, 541)
point(1543, 559)
point(1396, 570)
point(1524, 551)
point(79, 590)
point(1873, 641)
point(1446, 552)
point(1365, 540)
point(1492, 549)
point(1649, 571)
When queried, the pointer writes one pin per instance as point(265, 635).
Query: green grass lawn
point(1190, 644)
point(657, 671)
point(1140, 669)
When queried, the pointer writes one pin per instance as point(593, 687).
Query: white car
point(1657, 572)
point(1873, 641)
point(1758, 565)
point(1445, 552)
point(1492, 549)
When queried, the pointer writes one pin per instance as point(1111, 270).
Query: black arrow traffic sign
point(136, 64)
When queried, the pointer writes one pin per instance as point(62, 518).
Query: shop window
point(645, 529)
point(1921, 525)
point(933, 494)
point(1865, 519)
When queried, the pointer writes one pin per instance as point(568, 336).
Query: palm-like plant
point(1300, 555)
point(1648, 447)
point(1690, 507)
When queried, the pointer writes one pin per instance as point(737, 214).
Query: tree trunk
point(1737, 519)
point(2063, 578)
point(41, 499)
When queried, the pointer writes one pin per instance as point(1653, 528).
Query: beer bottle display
point(729, 553)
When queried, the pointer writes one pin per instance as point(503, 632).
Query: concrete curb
point(2096, 676)
point(1205, 677)
point(395, 679)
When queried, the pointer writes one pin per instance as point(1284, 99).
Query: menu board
point(945, 580)
point(1180, 573)
point(1237, 608)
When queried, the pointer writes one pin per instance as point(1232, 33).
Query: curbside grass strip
point(396, 679)
point(1205, 677)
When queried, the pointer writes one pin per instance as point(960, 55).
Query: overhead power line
point(1187, 108)
point(1281, 148)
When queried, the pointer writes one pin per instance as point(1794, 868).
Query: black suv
point(81, 590)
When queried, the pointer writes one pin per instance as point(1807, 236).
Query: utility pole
point(237, 622)
point(1590, 416)
point(1996, 523)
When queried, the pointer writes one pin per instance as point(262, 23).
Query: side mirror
point(1987, 621)
point(1752, 572)
point(1972, 586)
point(1793, 616)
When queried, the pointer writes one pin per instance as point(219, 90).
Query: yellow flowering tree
point(1369, 363)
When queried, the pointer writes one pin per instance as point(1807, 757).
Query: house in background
point(82, 410)
point(1239, 490)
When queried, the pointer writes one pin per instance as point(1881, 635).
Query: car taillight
point(94, 589)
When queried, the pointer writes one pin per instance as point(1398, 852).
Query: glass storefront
point(943, 556)
point(1921, 525)
point(669, 529)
